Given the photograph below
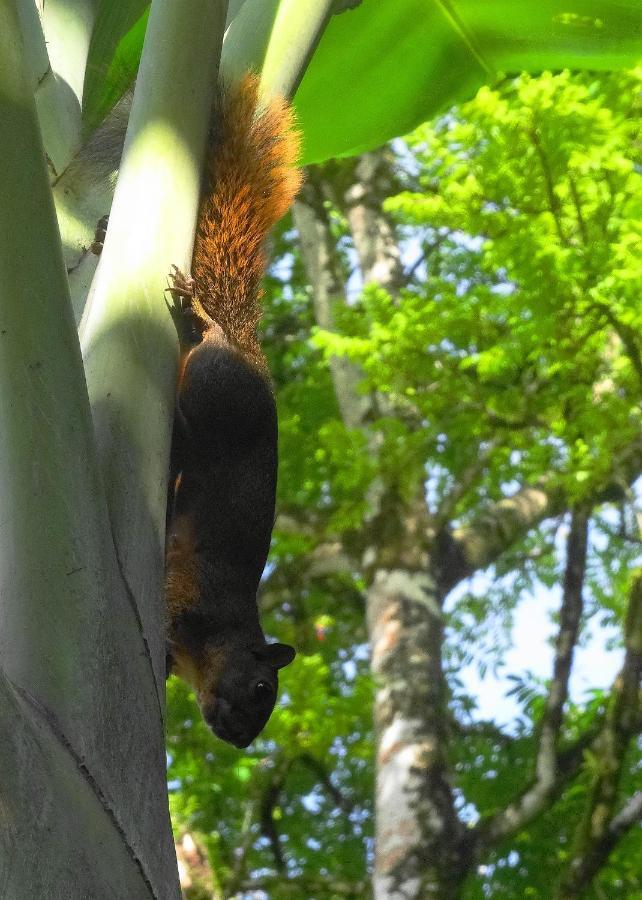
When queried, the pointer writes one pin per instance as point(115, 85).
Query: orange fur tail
point(251, 181)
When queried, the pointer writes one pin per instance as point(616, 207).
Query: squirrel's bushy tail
point(252, 179)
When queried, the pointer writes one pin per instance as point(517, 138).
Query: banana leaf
point(383, 66)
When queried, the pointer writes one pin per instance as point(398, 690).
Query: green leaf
point(114, 54)
point(384, 67)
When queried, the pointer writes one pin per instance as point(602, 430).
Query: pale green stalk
point(296, 32)
point(257, 33)
point(67, 26)
point(57, 105)
point(84, 194)
point(49, 489)
point(57, 840)
point(35, 49)
point(277, 39)
point(128, 337)
point(70, 639)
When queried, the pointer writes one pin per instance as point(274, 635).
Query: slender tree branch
point(608, 180)
point(627, 335)
point(464, 482)
point(433, 247)
point(491, 831)
point(553, 200)
point(570, 616)
point(485, 729)
point(268, 769)
point(549, 768)
point(578, 210)
point(269, 802)
point(480, 543)
point(372, 231)
point(306, 886)
point(597, 832)
point(321, 773)
point(327, 280)
point(629, 815)
point(465, 550)
point(242, 849)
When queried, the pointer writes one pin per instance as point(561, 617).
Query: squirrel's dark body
point(224, 452)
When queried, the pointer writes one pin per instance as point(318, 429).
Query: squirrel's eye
point(262, 690)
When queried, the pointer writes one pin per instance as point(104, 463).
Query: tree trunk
point(418, 836)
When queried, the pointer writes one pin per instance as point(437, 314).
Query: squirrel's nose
point(217, 712)
point(220, 718)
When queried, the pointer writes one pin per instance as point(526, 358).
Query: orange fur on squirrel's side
point(251, 181)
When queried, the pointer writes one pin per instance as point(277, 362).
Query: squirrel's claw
point(180, 286)
point(99, 235)
point(182, 291)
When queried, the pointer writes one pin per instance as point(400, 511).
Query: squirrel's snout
point(219, 715)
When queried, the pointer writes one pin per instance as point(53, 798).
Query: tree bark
point(372, 232)
point(326, 278)
point(419, 848)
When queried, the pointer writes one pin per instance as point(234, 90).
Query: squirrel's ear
point(277, 655)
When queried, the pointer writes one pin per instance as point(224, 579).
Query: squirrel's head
point(237, 688)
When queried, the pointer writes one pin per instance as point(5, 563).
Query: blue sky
point(531, 649)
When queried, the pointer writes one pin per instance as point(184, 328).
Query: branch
point(570, 616)
point(324, 562)
point(241, 851)
point(484, 728)
point(550, 767)
point(629, 815)
point(626, 334)
point(321, 772)
point(269, 801)
point(553, 200)
point(372, 231)
point(492, 830)
point(306, 886)
point(464, 482)
point(324, 273)
point(442, 236)
point(481, 542)
point(270, 768)
point(578, 879)
point(578, 210)
point(460, 553)
point(599, 830)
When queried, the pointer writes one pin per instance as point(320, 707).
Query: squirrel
point(223, 465)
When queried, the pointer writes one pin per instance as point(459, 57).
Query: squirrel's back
point(251, 180)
